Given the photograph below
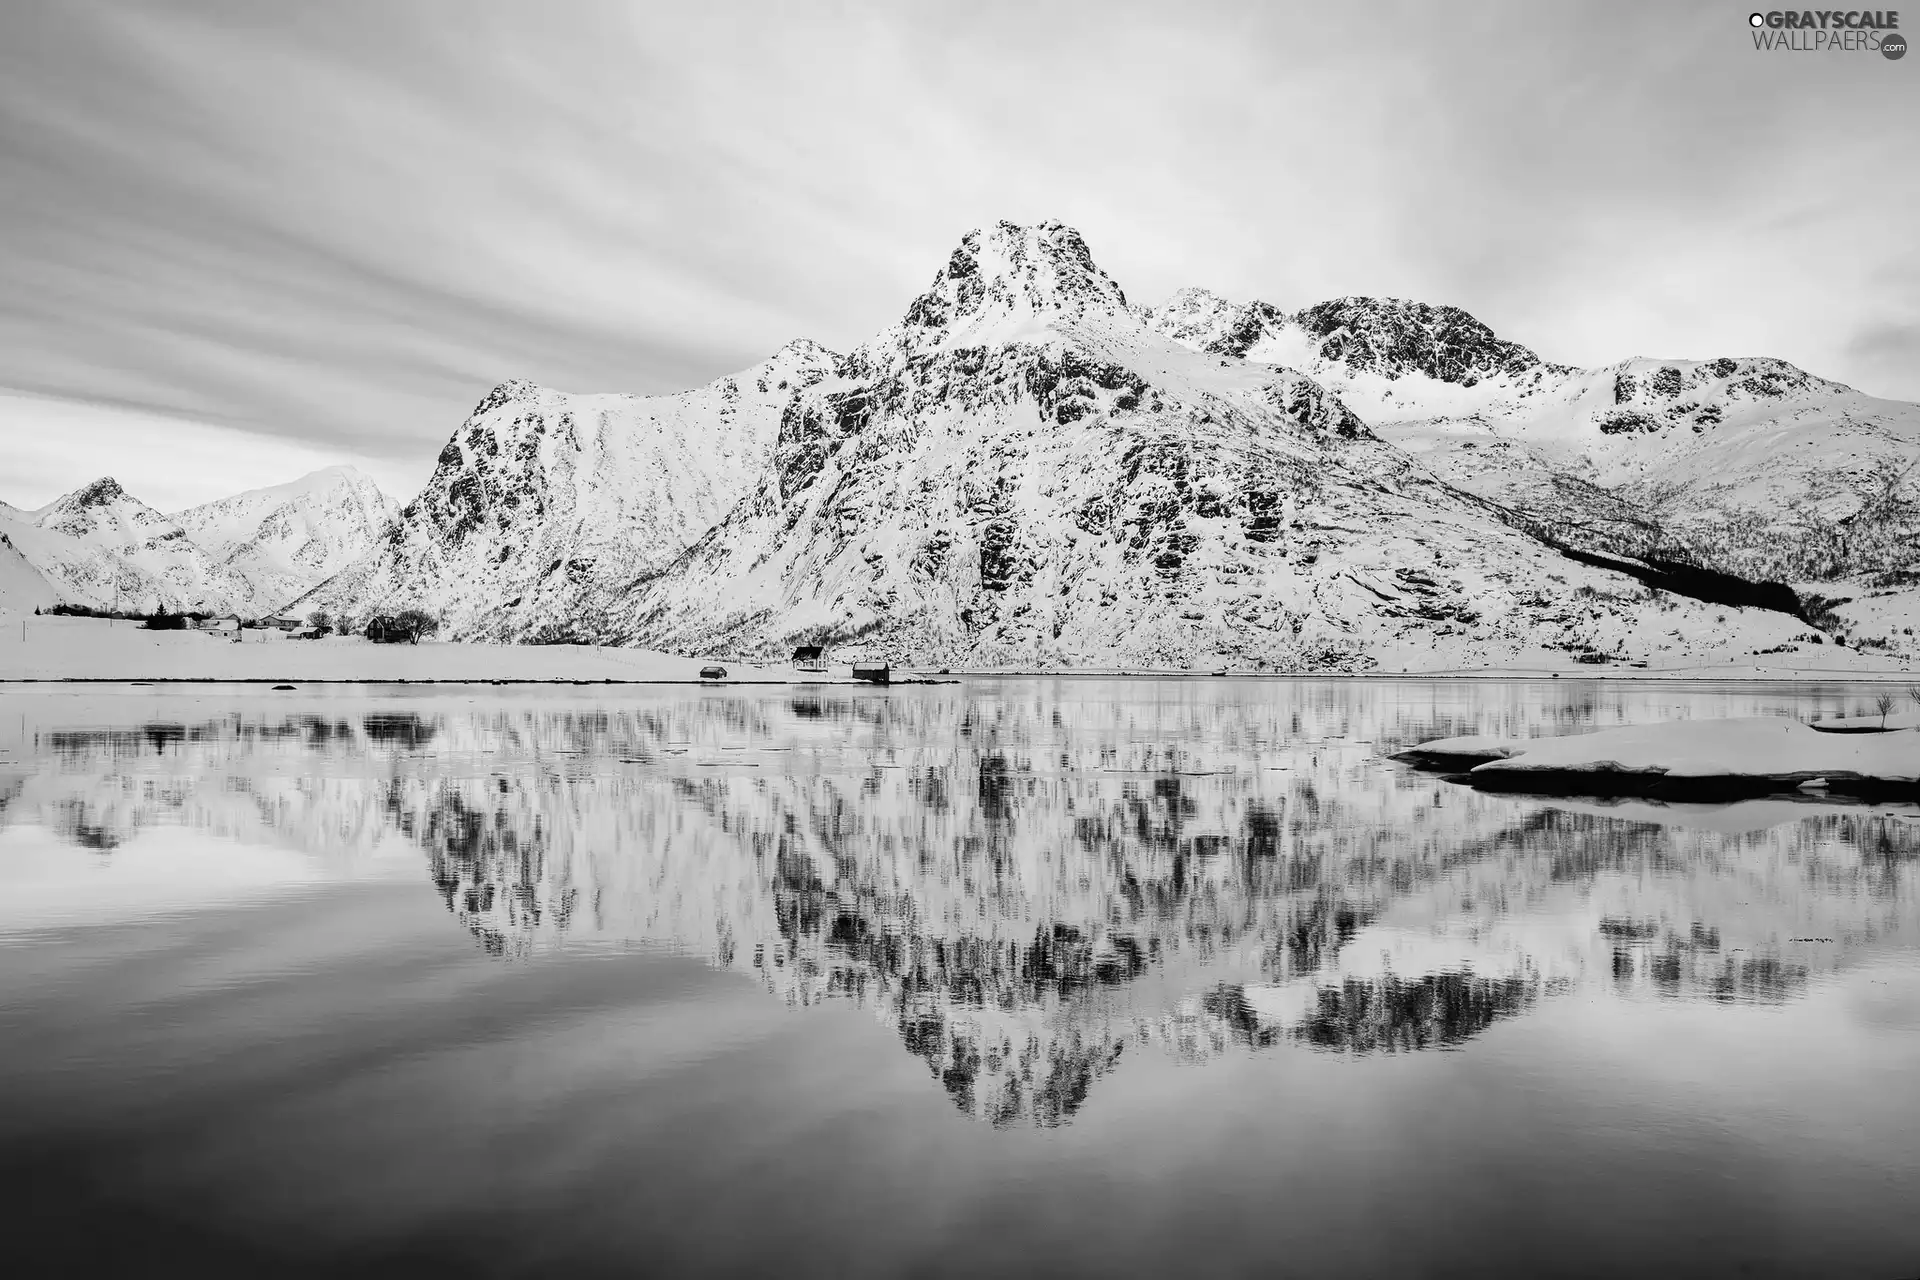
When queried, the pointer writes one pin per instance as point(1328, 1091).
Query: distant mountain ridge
point(249, 554)
point(1747, 463)
point(101, 546)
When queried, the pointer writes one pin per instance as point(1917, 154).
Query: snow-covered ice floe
point(1691, 758)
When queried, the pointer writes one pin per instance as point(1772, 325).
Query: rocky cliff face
point(1390, 338)
point(542, 501)
point(1394, 338)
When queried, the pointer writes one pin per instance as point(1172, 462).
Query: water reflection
point(1029, 883)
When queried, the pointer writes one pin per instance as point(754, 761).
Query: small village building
point(810, 657)
point(228, 623)
point(873, 672)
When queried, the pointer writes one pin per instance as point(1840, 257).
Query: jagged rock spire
point(1012, 271)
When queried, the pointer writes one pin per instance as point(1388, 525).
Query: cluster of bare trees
point(405, 627)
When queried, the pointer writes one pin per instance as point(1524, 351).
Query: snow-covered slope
point(1027, 471)
point(102, 547)
point(543, 501)
point(287, 539)
point(1749, 464)
point(22, 588)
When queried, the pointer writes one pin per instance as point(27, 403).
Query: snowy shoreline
point(916, 676)
point(54, 650)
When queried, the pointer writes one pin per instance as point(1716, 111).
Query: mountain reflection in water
point(1028, 883)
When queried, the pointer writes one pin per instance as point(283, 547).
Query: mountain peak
point(510, 390)
point(1013, 271)
point(100, 493)
point(805, 349)
point(341, 478)
point(802, 359)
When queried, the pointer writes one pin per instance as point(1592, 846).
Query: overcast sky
point(318, 232)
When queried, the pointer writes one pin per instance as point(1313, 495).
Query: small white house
point(226, 625)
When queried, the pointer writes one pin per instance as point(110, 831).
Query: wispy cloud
point(336, 225)
point(168, 463)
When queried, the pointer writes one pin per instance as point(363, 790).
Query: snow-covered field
point(48, 648)
point(59, 648)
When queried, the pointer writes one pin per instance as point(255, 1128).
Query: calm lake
point(1049, 976)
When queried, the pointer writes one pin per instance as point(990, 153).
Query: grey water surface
point(1044, 976)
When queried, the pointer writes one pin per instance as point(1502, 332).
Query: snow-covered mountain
point(1747, 464)
point(286, 539)
point(102, 547)
point(1026, 470)
point(544, 502)
point(249, 554)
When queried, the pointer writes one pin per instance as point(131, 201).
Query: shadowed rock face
point(1394, 337)
point(1388, 337)
point(98, 494)
point(1030, 891)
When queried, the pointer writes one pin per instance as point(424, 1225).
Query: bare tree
point(414, 623)
point(1885, 704)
